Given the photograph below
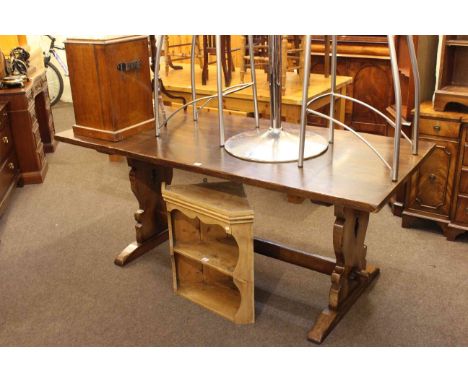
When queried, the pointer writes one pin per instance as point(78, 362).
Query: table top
point(27, 85)
point(347, 174)
point(427, 110)
point(179, 81)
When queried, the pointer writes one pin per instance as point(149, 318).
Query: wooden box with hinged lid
point(111, 86)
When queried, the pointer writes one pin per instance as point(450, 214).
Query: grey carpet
point(59, 286)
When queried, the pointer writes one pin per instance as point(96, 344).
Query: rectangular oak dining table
point(348, 176)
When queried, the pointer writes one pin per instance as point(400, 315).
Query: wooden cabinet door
point(432, 186)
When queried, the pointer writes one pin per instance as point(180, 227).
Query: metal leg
point(417, 91)
point(159, 45)
point(219, 76)
point(305, 96)
point(333, 91)
point(192, 77)
point(254, 80)
point(274, 60)
point(397, 90)
point(276, 144)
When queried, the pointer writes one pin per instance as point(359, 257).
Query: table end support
point(351, 275)
point(329, 318)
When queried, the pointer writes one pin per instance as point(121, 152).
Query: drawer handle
point(466, 211)
point(11, 166)
point(436, 128)
point(5, 140)
point(432, 178)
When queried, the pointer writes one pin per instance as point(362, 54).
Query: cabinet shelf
point(218, 298)
point(452, 87)
point(220, 254)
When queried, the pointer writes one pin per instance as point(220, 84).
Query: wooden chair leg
point(242, 61)
point(227, 73)
point(301, 60)
point(326, 57)
point(229, 54)
point(205, 60)
point(167, 57)
point(199, 51)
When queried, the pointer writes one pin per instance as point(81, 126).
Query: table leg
point(351, 275)
point(151, 218)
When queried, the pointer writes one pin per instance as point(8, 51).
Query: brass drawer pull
point(432, 178)
point(5, 140)
point(436, 128)
point(11, 166)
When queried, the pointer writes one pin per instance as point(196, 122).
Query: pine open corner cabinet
point(348, 176)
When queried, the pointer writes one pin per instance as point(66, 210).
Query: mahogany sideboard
point(32, 126)
point(331, 179)
point(9, 173)
point(438, 190)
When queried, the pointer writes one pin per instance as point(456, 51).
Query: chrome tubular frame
point(254, 79)
point(331, 131)
point(352, 131)
point(370, 107)
point(274, 60)
point(219, 81)
point(305, 96)
point(398, 119)
point(227, 91)
point(207, 99)
point(192, 77)
point(159, 44)
point(417, 92)
point(397, 90)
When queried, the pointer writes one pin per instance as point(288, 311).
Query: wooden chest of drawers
point(32, 126)
point(439, 189)
point(9, 172)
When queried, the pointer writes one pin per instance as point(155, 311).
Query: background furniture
point(330, 178)
point(211, 241)
point(366, 59)
point(32, 126)
point(438, 190)
point(209, 48)
point(452, 85)
point(178, 84)
point(260, 46)
point(171, 56)
point(111, 86)
point(291, 55)
point(9, 170)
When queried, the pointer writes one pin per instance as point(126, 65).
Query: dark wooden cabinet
point(32, 126)
point(432, 185)
point(111, 86)
point(438, 191)
point(9, 171)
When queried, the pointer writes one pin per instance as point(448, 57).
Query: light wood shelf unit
point(211, 241)
point(452, 86)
